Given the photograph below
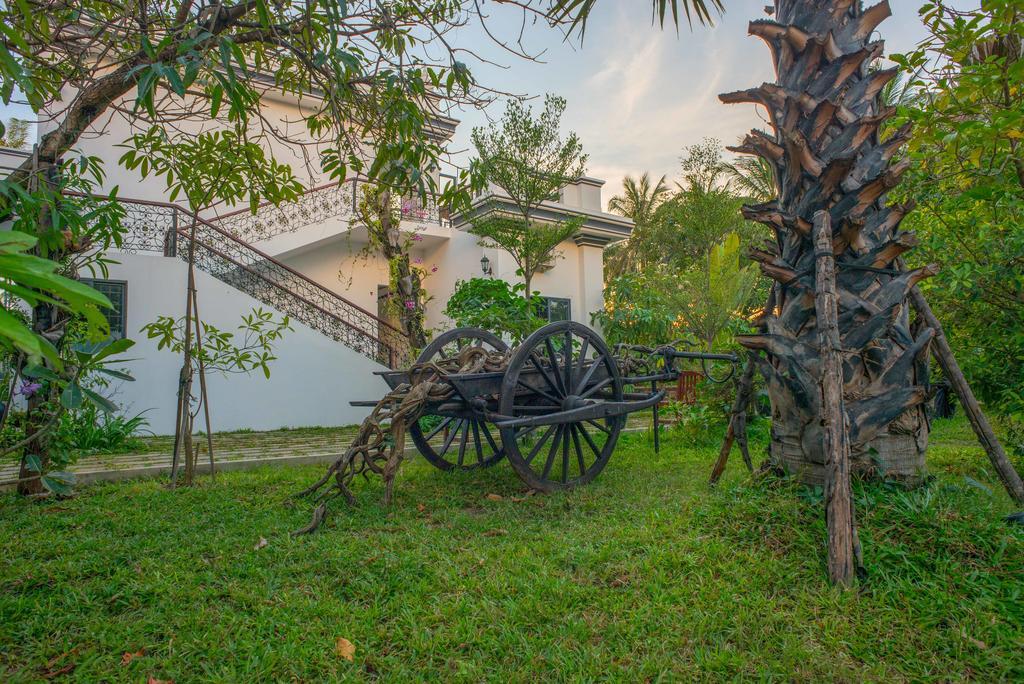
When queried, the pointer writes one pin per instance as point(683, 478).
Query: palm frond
point(576, 12)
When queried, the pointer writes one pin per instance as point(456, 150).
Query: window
point(556, 309)
point(117, 292)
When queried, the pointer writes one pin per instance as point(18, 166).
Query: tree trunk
point(828, 156)
point(405, 280)
point(839, 518)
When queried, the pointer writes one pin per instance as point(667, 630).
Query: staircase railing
point(164, 228)
point(317, 205)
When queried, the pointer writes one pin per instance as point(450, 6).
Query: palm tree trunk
point(828, 155)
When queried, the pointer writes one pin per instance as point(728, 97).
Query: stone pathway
point(232, 451)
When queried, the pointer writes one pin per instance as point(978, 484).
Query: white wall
point(310, 383)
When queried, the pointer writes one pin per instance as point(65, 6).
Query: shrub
point(496, 306)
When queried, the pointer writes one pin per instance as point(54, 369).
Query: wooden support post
point(737, 422)
point(839, 516)
point(944, 355)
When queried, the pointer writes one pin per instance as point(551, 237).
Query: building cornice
point(597, 226)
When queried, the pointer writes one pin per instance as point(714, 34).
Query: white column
point(590, 295)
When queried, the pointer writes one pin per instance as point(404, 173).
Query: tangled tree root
point(379, 446)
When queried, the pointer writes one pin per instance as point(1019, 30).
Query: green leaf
point(99, 401)
point(60, 482)
point(71, 397)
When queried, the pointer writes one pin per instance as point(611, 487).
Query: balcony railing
point(318, 205)
point(162, 228)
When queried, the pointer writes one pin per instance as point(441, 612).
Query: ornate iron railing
point(161, 228)
point(318, 205)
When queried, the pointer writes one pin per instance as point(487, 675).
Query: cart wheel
point(450, 442)
point(540, 381)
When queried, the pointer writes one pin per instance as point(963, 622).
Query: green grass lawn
point(644, 575)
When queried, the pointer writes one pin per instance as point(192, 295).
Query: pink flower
point(434, 269)
point(418, 260)
point(410, 304)
point(28, 388)
point(417, 237)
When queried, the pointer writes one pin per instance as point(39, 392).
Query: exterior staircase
point(173, 231)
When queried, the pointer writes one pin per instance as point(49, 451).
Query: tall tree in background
point(967, 178)
point(828, 155)
point(527, 158)
point(638, 201)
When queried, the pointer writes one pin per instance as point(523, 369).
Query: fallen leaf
point(978, 644)
point(420, 507)
point(51, 674)
point(495, 533)
point(129, 657)
point(495, 497)
point(261, 544)
point(154, 680)
point(345, 649)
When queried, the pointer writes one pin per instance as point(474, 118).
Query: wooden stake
point(839, 517)
point(185, 377)
point(944, 355)
point(202, 385)
point(737, 422)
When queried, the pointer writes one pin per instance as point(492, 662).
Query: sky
point(637, 94)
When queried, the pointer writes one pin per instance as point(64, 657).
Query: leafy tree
point(528, 159)
point(717, 295)
point(751, 178)
point(639, 308)
point(15, 134)
point(494, 305)
point(638, 201)
point(381, 71)
point(967, 178)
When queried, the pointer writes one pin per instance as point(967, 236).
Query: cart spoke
point(579, 449)
point(490, 439)
point(565, 452)
point(553, 355)
point(554, 400)
point(583, 361)
point(451, 438)
point(462, 441)
point(433, 433)
point(540, 444)
point(598, 385)
point(589, 374)
point(476, 442)
point(552, 452)
point(600, 427)
point(590, 441)
point(567, 353)
point(535, 359)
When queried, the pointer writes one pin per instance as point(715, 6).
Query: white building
point(304, 260)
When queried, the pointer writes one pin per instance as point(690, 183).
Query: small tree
point(217, 351)
point(496, 306)
point(527, 158)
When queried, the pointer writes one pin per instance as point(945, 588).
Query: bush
point(496, 306)
point(89, 431)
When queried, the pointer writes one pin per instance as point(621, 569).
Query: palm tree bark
point(827, 155)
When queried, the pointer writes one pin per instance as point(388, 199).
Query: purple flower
point(433, 269)
point(417, 237)
point(410, 304)
point(418, 260)
point(28, 388)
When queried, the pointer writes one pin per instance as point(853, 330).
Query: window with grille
point(556, 309)
point(117, 292)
